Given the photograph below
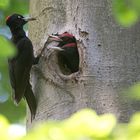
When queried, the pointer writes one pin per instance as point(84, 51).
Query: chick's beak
point(55, 38)
point(29, 19)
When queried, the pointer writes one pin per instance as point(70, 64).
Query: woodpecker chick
point(20, 65)
point(69, 56)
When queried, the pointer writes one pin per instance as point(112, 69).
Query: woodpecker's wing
point(11, 72)
point(20, 68)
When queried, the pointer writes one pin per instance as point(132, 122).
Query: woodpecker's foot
point(36, 59)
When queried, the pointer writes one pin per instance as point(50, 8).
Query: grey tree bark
point(109, 60)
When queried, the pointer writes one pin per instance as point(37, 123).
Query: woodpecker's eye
point(19, 17)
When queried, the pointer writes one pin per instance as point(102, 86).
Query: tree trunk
point(109, 60)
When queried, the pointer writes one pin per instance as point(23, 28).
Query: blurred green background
point(126, 12)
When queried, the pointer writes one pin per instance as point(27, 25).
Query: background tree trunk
point(109, 60)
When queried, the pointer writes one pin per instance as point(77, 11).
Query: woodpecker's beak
point(54, 38)
point(29, 19)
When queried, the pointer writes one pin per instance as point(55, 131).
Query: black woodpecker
point(69, 56)
point(20, 65)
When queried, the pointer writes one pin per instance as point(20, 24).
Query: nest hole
point(68, 59)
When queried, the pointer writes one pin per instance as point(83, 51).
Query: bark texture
point(109, 60)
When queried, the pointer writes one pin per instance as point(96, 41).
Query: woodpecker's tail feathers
point(31, 101)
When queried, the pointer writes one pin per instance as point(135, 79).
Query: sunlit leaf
point(135, 4)
point(85, 124)
point(81, 123)
point(4, 124)
point(134, 124)
point(4, 80)
point(134, 127)
point(134, 91)
point(88, 123)
point(7, 107)
point(105, 125)
point(4, 4)
point(120, 132)
point(124, 13)
point(12, 112)
point(6, 48)
point(6, 132)
point(17, 6)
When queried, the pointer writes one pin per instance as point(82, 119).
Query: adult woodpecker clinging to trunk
point(20, 65)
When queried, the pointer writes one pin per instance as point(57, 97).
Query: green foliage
point(15, 114)
point(126, 12)
point(134, 92)
point(84, 125)
point(17, 6)
point(5, 130)
point(134, 127)
point(7, 107)
point(89, 124)
point(8, 7)
point(6, 48)
point(4, 4)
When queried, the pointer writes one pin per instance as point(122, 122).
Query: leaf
point(124, 13)
point(135, 4)
point(4, 124)
point(7, 107)
point(134, 127)
point(88, 123)
point(12, 112)
point(17, 6)
point(134, 92)
point(6, 48)
point(85, 124)
point(4, 4)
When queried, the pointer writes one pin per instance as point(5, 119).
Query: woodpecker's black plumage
point(20, 65)
point(70, 56)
